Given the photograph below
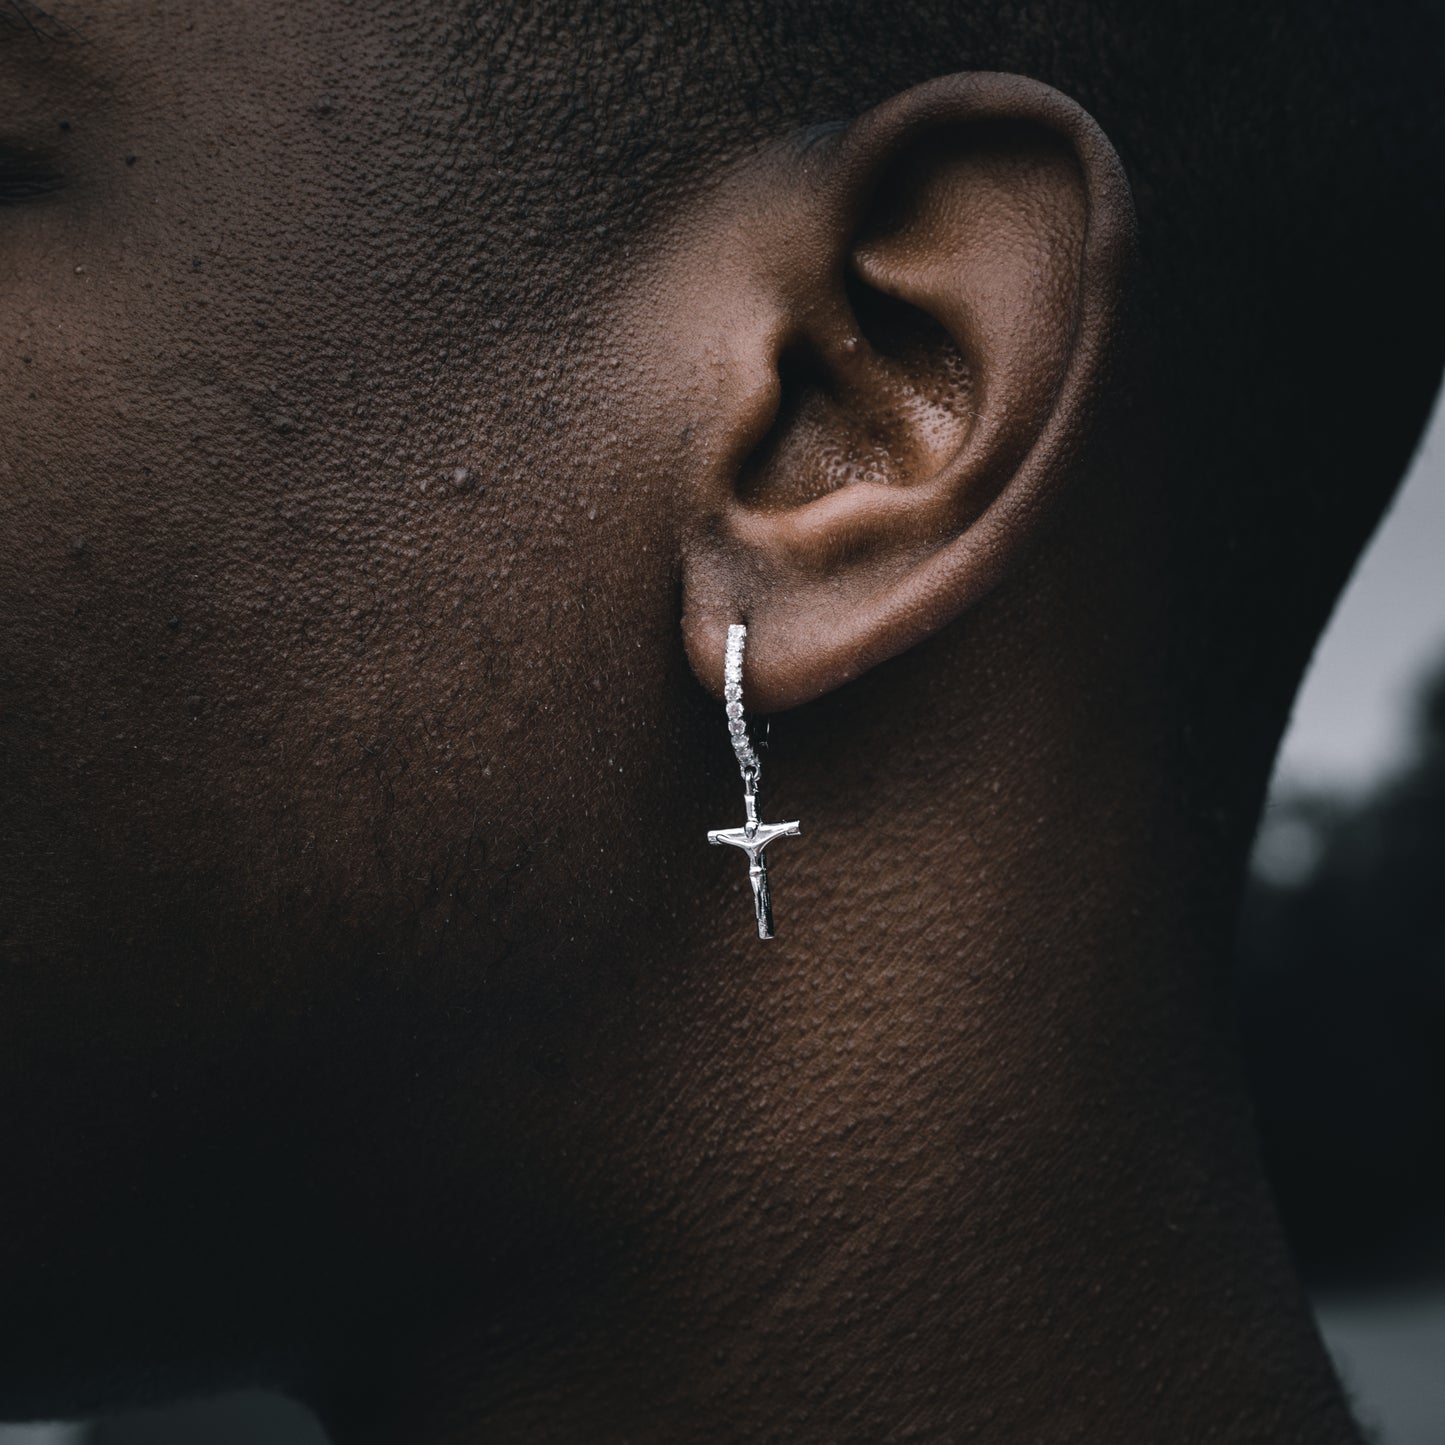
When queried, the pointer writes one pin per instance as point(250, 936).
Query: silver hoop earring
point(754, 835)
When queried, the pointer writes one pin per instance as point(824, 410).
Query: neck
point(963, 1153)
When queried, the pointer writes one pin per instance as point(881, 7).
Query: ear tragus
point(943, 291)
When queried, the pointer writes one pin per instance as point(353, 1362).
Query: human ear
point(913, 316)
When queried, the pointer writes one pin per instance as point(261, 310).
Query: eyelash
point(26, 178)
point(26, 15)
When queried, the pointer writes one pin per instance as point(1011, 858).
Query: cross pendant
point(752, 838)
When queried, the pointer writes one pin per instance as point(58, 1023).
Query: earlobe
point(940, 286)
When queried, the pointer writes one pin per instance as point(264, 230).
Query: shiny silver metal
point(754, 835)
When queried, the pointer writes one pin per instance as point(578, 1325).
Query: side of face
point(366, 541)
point(323, 634)
point(368, 550)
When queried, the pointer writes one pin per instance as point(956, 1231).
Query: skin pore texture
point(397, 403)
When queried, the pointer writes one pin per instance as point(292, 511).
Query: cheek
point(339, 680)
point(332, 639)
point(144, 484)
point(298, 624)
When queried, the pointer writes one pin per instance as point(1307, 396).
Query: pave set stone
point(733, 696)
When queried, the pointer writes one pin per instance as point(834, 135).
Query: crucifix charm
point(752, 838)
point(754, 835)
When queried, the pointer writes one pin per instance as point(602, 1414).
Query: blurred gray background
point(1345, 915)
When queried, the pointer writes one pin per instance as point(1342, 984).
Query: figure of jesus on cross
point(752, 838)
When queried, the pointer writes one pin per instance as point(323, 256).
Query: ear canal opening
point(926, 358)
point(896, 329)
point(897, 389)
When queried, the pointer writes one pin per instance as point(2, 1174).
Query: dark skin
point(374, 1020)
